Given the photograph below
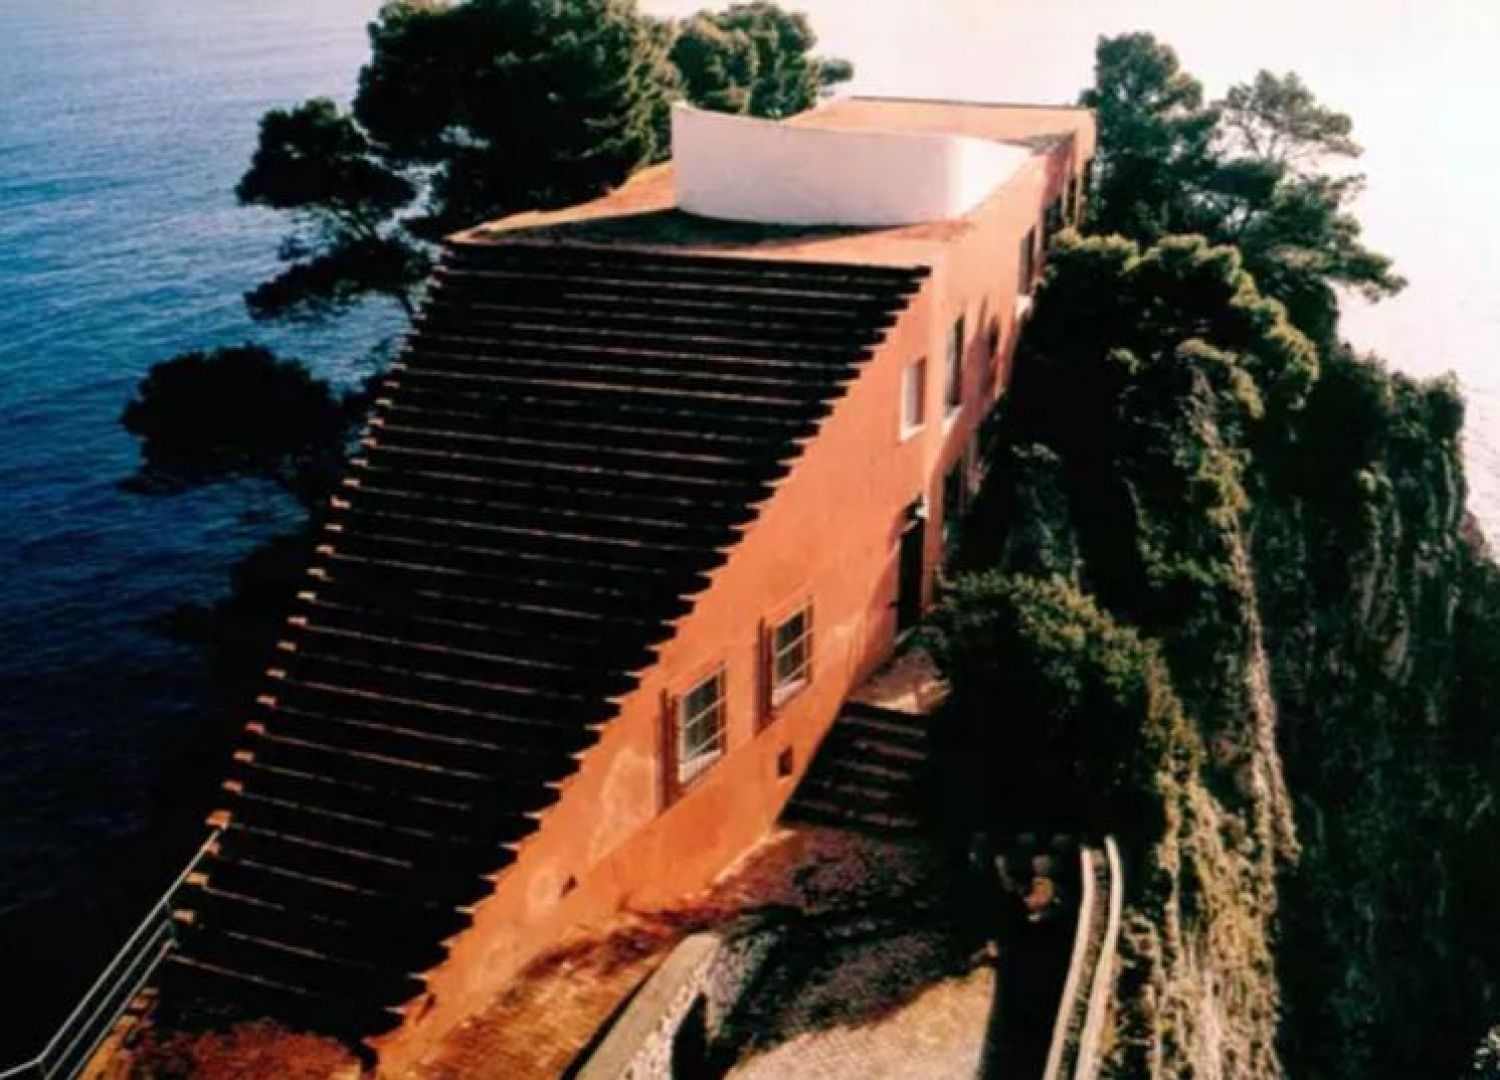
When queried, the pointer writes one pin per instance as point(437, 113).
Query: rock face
point(1381, 623)
point(1314, 777)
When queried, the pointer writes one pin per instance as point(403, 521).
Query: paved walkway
point(882, 975)
point(538, 1025)
point(874, 1010)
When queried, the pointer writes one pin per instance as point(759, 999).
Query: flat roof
point(1007, 122)
point(642, 213)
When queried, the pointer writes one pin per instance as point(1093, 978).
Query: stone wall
point(716, 968)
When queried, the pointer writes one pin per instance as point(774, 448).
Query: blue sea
point(124, 125)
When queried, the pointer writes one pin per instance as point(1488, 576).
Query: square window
point(700, 727)
point(954, 394)
point(791, 656)
point(913, 396)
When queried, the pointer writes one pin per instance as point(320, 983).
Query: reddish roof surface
point(999, 121)
point(642, 213)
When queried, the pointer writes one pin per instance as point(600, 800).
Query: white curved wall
point(745, 169)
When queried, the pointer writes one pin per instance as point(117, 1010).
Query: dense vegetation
point(1220, 598)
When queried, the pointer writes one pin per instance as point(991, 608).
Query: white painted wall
point(744, 169)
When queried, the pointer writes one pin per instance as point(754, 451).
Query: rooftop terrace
point(839, 221)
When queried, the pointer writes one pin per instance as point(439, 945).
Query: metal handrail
point(1102, 991)
point(76, 1039)
point(1074, 1051)
point(1071, 1004)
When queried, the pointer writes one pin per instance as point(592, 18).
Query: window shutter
point(668, 755)
point(766, 680)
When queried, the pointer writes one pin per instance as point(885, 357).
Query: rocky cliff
point(1223, 574)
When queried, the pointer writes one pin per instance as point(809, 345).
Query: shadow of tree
point(676, 228)
point(877, 925)
point(848, 975)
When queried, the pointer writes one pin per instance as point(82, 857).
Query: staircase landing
point(910, 684)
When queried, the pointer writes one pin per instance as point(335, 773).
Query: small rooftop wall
point(744, 169)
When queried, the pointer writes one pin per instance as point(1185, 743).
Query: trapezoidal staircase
point(573, 438)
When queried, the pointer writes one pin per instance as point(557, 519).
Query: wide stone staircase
point(872, 774)
point(571, 441)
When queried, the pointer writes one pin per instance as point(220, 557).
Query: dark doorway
point(955, 496)
point(690, 1044)
point(909, 581)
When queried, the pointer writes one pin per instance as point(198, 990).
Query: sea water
point(124, 125)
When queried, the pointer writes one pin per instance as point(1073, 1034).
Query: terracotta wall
point(617, 837)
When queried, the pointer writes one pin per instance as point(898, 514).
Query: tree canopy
point(754, 59)
point(474, 110)
point(514, 104)
point(1249, 170)
point(1146, 375)
point(1277, 119)
point(315, 162)
point(235, 412)
point(1155, 138)
point(1196, 487)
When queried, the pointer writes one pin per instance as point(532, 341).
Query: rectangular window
point(700, 727)
point(913, 396)
point(1028, 262)
point(791, 656)
point(954, 395)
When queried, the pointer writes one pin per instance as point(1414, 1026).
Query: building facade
point(658, 481)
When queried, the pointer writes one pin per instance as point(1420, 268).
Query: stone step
point(826, 783)
point(848, 740)
point(897, 725)
point(893, 773)
point(821, 812)
point(869, 774)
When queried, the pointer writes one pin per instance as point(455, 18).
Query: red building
point(657, 481)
